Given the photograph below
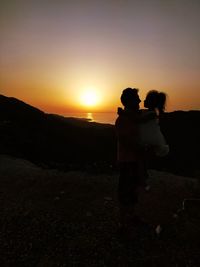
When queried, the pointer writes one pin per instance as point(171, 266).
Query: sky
point(78, 55)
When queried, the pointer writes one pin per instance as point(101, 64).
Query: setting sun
point(90, 98)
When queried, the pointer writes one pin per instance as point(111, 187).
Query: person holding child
point(138, 134)
point(127, 130)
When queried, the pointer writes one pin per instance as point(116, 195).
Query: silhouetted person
point(128, 157)
point(149, 129)
point(150, 135)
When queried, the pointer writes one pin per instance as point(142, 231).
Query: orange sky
point(52, 53)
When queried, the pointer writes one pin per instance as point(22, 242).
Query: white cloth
point(151, 135)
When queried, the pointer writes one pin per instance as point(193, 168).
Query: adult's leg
point(128, 192)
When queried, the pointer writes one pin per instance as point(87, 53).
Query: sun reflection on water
point(89, 116)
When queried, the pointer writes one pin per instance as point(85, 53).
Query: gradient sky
point(52, 51)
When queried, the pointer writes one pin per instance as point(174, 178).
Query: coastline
point(100, 117)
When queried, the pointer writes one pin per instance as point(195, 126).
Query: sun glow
point(90, 98)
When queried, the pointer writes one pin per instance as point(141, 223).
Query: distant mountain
point(66, 143)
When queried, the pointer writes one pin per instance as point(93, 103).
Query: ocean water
point(102, 117)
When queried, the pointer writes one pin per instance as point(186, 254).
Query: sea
point(100, 117)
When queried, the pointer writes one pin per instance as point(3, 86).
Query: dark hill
point(181, 129)
point(12, 109)
point(66, 143)
point(51, 139)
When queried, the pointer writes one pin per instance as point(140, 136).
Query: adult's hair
point(129, 96)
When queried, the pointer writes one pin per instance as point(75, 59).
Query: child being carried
point(150, 135)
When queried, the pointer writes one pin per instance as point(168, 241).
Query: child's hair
point(155, 99)
point(162, 98)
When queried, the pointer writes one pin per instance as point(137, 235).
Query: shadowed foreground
point(51, 218)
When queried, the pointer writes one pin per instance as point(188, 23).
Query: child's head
point(155, 100)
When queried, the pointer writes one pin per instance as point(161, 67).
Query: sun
point(90, 98)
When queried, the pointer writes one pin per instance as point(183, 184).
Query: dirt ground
point(50, 218)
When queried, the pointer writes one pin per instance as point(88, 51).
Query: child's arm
point(147, 116)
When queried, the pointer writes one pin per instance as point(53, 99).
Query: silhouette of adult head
point(130, 98)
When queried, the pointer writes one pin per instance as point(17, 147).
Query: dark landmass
point(51, 139)
point(58, 193)
point(68, 143)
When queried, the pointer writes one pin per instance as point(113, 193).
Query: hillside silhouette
point(71, 143)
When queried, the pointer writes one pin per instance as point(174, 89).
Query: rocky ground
point(51, 218)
